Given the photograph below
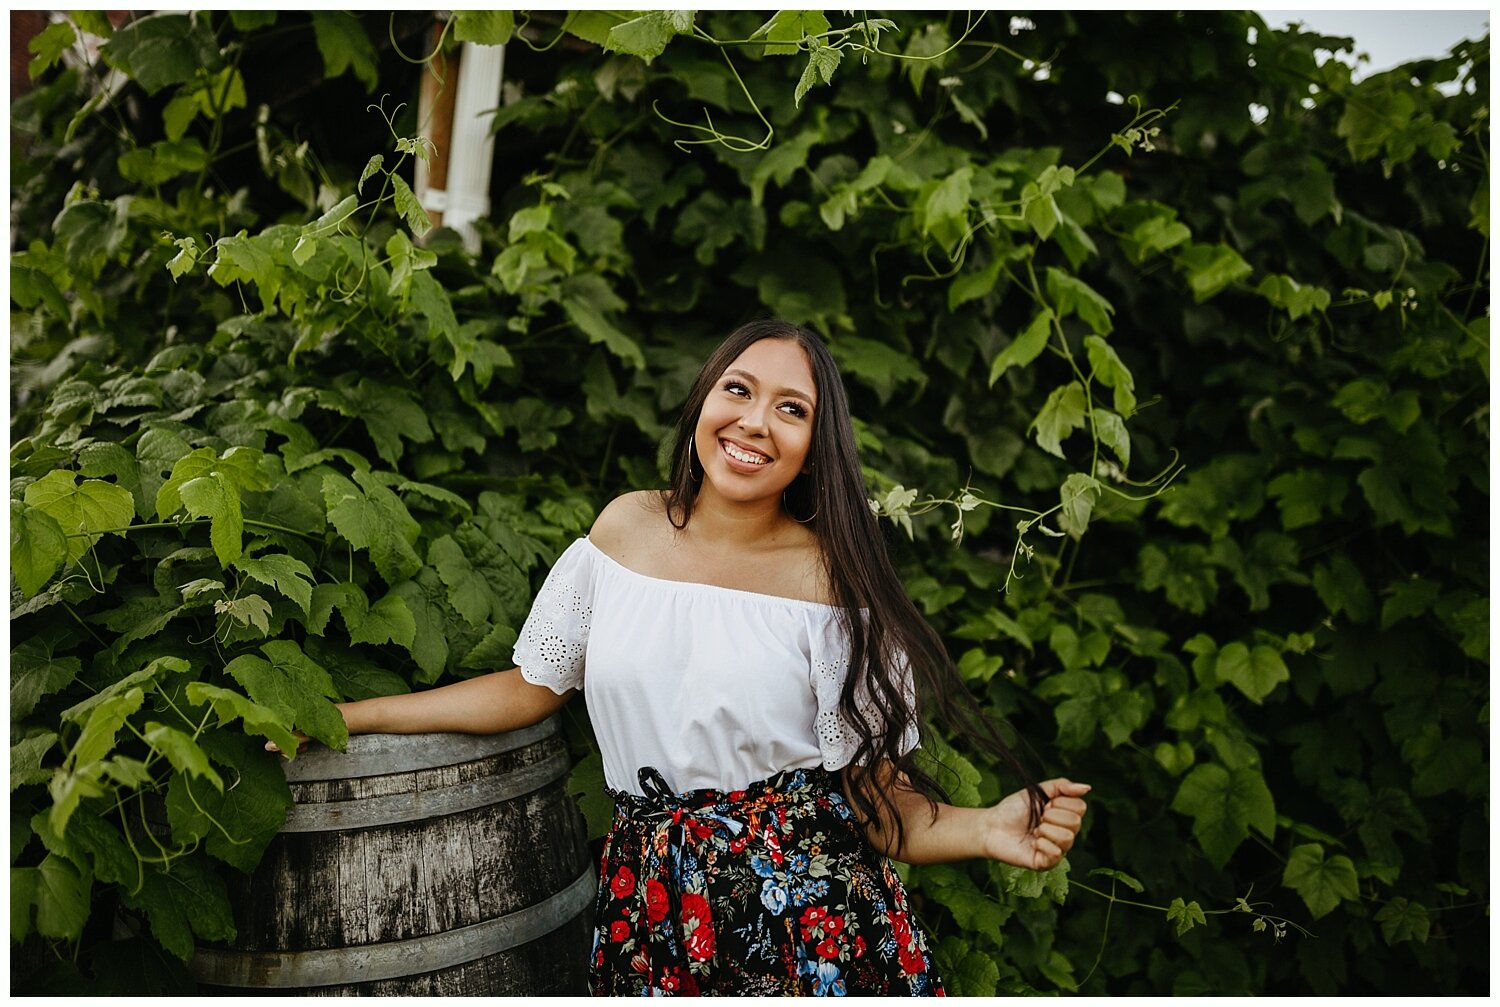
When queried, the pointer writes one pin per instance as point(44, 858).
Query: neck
point(736, 523)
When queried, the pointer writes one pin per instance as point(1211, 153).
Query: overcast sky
point(1391, 37)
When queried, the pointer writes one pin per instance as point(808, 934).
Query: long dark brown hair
point(830, 499)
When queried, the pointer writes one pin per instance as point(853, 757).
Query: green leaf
point(647, 36)
point(186, 898)
point(98, 735)
point(1211, 268)
point(293, 687)
point(388, 412)
point(1304, 495)
point(1040, 211)
point(239, 823)
point(877, 364)
point(591, 321)
point(353, 676)
point(424, 596)
point(85, 510)
point(409, 208)
point(586, 786)
point(1409, 598)
point(1025, 348)
point(144, 679)
point(821, 62)
point(1061, 415)
point(35, 671)
point(62, 898)
point(1079, 493)
point(67, 789)
point(1112, 434)
point(1256, 672)
point(374, 519)
point(49, 44)
point(495, 649)
point(945, 213)
point(1120, 876)
point(788, 28)
point(37, 548)
point(26, 760)
point(1403, 920)
point(1298, 300)
point(344, 46)
point(215, 496)
point(1323, 884)
point(1225, 804)
point(162, 49)
point(248, 610)
point(372, 166)
point(1109, 370)
point(249, 20)
point(484, 27)
point(967, 286)
point(1185, 916)
point(1342, 588)
point(91, 836)
point(1074, 297)
point(94, 22)
point(182, 752)
point(286, 574)
point(230, 706)
point(23, 886)
point(388, 621)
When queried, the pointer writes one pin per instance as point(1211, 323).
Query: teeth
point(744, 456)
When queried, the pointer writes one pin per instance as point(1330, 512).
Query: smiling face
point(756, 425)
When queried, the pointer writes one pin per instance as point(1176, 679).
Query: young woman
point(752, 666)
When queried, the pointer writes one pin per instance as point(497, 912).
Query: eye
point(730, 386)
point(795, 409)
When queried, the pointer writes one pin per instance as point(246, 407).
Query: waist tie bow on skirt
point(769, 890)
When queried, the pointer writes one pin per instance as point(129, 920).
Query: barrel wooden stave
point(409, 880)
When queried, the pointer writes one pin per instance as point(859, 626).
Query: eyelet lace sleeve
point(552, 642)
point(830, 667)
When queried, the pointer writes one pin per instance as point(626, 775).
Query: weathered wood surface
point(422, 882)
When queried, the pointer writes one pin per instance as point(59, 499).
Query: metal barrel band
point(392, 809)
point(393, 959)
point(385, 754)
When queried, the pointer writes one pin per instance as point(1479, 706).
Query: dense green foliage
point(246, 394)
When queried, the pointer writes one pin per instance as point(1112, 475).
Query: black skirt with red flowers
point(770, 890)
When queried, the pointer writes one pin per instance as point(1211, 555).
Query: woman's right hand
point(489, 704)
point(302, 739)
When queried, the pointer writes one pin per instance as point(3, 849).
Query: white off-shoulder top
point(713, 686)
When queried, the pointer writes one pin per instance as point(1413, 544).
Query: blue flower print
point(773, 897)
point(827, 982)
point(817, 888)
point(797, 863)
point(762, 866)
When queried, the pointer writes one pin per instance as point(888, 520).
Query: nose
point(753, 417)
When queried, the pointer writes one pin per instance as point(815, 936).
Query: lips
point(744, 462)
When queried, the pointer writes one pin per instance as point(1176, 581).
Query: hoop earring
point(693, 457)
point(786, 507)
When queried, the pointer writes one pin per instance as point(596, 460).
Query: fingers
point(1056, 837)
point(1063, 817)
point(1045, 854)
point(1063, 787)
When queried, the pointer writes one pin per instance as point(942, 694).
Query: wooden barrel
point(433, 864)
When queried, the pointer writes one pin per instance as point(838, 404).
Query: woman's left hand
point(1010, 839)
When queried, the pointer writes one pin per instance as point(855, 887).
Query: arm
point(999, 833)
point(489, 704)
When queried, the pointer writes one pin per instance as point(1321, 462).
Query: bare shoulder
point(806, 558)
point(625, 519)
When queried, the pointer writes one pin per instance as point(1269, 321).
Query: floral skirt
point(770, 890)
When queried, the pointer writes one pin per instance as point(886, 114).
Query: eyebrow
point(794, 393)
